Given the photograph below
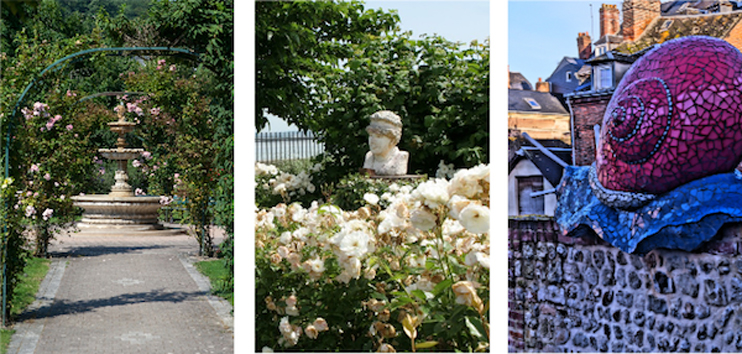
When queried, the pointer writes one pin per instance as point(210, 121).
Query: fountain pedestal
point(121, 211)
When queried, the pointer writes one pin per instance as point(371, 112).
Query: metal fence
point(279, 146)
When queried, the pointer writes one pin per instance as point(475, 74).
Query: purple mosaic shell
point(674, 118)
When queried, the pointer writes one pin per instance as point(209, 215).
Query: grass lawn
point(25, 293)
point(216, 272)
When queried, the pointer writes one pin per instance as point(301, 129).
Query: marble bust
point(384, 158)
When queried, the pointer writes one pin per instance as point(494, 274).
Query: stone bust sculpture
point(384, 132)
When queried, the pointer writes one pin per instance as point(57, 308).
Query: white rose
point(475, 218)
point(355, 244)
point(432, 193)
point(285, 238)
point(423, 219)
point(371, 198)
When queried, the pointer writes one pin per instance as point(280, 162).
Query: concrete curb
point(28, 331)
point(222, 307)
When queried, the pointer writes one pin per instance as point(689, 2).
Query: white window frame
point(533, 103)
point(603, 81)
point(569, 76)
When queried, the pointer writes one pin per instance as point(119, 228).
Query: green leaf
point(425, 345)
point(475, 326)
point(445, 284)
point(419, 294)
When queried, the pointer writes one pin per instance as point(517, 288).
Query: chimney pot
point(584, 45)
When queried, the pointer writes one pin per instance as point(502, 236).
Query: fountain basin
point(120, 154)
point(126, 213)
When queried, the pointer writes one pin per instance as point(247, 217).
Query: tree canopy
point(327, 66)
point(298, 43)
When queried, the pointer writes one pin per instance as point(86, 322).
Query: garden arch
point(56, 66)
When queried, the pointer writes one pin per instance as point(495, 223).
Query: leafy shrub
point(440, 91)
point(295, 184)
point(348, 193)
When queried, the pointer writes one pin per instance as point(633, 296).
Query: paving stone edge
point(222, 307)
point(28, 331)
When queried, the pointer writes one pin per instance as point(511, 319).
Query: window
point(531, 102)
point(569, 76)
point(606, 79)
point(603, 77)
point(526, 203)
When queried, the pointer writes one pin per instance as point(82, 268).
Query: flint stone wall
point(583, 295)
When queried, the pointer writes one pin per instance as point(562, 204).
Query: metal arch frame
point(115, 51)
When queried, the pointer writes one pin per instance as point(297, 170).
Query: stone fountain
point(120, 210)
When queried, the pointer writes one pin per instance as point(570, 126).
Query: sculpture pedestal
point(371, 174)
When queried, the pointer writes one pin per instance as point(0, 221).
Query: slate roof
point(547, 101)
point(609, 39)
point(519, 82)
point(558, 78)
point(665, 28)
point(520, 148)
point(675, 8)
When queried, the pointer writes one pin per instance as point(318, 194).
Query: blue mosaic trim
point(623, 117)
point(616, 199)
point(683, 218)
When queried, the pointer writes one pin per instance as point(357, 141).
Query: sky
point(456, 21)
point(541, 33)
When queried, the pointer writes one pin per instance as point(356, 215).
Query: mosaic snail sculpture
point(670, 141)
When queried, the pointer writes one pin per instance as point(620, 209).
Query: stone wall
point(583, 295)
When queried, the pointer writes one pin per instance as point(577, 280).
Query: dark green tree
point(440, 91)
point(298, 43)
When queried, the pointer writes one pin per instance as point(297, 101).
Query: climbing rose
point(47, 214)
point(30, 210)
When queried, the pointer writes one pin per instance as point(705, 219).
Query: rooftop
point(665, 28)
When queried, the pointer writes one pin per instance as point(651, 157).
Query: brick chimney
point(609, 22)
point(637, 14)
point(584, 45)
point(542, 86)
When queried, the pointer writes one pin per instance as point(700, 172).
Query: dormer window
point(531, 102)
point(604, 79)
point(569, 76)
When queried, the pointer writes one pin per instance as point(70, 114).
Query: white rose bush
point(274, 185)
point(409, 271)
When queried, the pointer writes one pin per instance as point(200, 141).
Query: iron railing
point(279, 146)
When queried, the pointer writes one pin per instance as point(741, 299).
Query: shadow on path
point(64, 307)
point(103, 250)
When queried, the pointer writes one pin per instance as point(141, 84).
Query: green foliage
point(298, 43)
point(54, 162)
point(5, 336)
point(25, 293)
point(348, 192)
point(13, 241)
point(440, 91)
point(219, 276)
point(295, 182)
